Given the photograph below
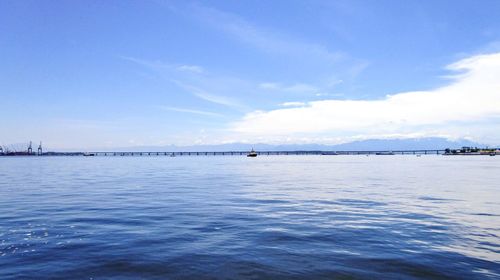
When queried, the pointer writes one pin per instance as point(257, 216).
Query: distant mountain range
point(365, 145)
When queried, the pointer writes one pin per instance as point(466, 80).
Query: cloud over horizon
point(471, 99)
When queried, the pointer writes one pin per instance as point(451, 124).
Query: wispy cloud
point(471, 97)
point(153, 64)
point(271, 86)
point(265, 39)
point(298, 87)
point(191, 111)
point(203, 94)
point(215, 98)
point(160, 65)
point(191, 68)
point(187, 79)
point(241, 93)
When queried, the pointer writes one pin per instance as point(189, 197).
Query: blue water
point(232, 217)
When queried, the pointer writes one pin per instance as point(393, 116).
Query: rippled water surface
point(232, 217)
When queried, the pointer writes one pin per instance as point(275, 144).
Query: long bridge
point(227, 153)
point(241, 153)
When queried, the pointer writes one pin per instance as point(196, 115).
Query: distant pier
point(267, 153)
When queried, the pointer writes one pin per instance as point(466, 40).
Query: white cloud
point(472, 96)
point(293, 104)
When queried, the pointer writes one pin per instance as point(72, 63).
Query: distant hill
point(364, 145)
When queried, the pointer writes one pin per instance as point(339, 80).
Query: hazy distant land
point(431, 143)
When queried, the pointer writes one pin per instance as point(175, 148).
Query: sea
point(233, 217)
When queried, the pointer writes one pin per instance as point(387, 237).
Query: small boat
point(329, 153)
point(252, 153)
point(88, 154)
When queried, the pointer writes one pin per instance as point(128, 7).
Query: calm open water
point(232, 217)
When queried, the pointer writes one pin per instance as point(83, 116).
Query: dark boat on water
point(252, 153)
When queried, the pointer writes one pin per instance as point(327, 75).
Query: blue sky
point(88, 74)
